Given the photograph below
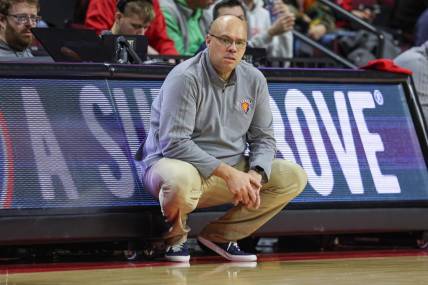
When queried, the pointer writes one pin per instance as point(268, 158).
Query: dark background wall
point(56, 12)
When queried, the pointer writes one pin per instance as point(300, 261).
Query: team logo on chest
point(246, 105)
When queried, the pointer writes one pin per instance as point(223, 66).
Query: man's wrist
point(260, 171)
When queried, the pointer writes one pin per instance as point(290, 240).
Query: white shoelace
point(177, 247)
point(235, 244)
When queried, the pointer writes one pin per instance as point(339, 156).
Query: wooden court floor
point(364, 268)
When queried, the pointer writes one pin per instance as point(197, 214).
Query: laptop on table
point(74, 45)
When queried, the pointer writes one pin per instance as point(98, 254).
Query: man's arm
point(282, 46)
point(260, 135)
point(177, 122)
point(156, 33)
point(282, 25)
point(100, 15)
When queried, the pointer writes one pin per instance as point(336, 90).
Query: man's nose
point(30, 24)
point(232, 47)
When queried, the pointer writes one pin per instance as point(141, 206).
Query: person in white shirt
point(276, 36)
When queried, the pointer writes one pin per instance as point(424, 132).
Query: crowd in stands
point(179, 27)
point(101, 15)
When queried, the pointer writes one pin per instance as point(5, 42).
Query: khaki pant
point(180, 190)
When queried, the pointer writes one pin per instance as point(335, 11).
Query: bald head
point(228, 22)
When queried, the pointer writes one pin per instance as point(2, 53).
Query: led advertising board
point(70, 143)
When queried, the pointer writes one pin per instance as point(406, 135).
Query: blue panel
point(356, 141)
point(68, 147)
point(70, 143)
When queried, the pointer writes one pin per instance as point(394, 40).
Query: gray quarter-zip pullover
point(201, 119)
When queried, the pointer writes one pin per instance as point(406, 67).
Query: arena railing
point(361, 23)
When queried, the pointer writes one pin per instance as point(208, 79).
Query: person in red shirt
point(364, 13)
point(345, 4)
point(100, 16)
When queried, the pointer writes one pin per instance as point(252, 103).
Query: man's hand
point(245, 187)
point(365, 14)
point(285, 19)
point(259, 178)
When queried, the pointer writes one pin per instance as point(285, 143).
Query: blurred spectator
point(229, 7)
point(421, 33)
point(133, 18)
point(312, 18)
point(17, 17)
point(187, 23)
point(416, 59)
point(100, 16)
point(357, 45)
point(364, 13)
point(275, 37)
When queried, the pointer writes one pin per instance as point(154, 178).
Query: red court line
point(52, 267)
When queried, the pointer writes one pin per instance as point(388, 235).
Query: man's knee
point(288, 177)
point(178, 183)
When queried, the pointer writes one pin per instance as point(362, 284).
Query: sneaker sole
point(220, 251)
point(178, 258)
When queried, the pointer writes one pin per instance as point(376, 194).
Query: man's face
point(18, 34)
point(131, 24)
point(235, 11)
point(226, 44)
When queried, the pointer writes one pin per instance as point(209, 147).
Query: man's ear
point(208, 40)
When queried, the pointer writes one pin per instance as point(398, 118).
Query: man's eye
point(227, 41)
